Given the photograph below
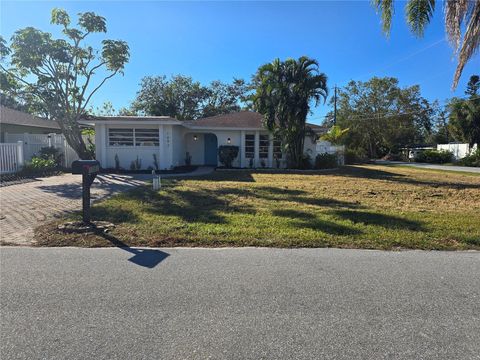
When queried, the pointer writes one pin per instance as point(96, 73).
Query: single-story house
point(18, 122)
point(124, 139)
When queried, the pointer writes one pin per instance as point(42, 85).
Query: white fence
point(323, 147)
point(459, 150)
point(11, 157)
point(20, 148)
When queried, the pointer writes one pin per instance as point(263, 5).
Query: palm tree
point(284, 92)
point(335, 134)
point(458, 14)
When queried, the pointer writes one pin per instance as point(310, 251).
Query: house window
point(146, 137)
point(133, 137)
point(263, 152)
point(277, 148)
point(120, 137)
point(249, 146)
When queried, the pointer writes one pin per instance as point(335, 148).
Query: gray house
point(18, 122)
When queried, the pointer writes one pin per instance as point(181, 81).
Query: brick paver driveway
point(25, 206)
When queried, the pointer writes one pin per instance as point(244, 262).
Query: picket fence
point(20, 148)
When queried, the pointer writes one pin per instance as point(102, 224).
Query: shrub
point(473, 159)
point(305, 162)
point(326, 161)
point(136, 164)
point(434, 156)
point(188, 159)
point(155, 162)
point(51, 153)
point(226, 154)
point(38, 164)
point(355, 156)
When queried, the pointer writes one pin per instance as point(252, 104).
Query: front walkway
point(25, 206)
point(430, 166)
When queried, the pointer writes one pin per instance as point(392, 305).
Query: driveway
point(431, 166)
point(249, 303)
point(25, 206)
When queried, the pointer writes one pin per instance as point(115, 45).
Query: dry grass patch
point(373, 207)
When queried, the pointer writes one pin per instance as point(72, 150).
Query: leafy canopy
point(185, 99)
point(59, 73)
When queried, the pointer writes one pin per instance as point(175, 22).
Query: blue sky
point(222, 40)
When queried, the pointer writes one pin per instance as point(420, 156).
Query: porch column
point(257, 148)
point(270, 149)
point(161, 148)
point(242, 149)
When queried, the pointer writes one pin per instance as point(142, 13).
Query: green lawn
point(375, 207)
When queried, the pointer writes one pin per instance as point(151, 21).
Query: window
point(133, 137)
point(249, 146)
point(277, 148)
point(120, 137)
point(263, 152)
point(146, 137)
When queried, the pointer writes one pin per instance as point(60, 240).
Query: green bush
point(37, 164)
point(51, 153)
point(226, 154)
point(326, 161)
point(355, 156)
point(305, 162)
point(434, 156)
point(472, 159)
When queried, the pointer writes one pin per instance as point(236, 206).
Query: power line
point(388, 115)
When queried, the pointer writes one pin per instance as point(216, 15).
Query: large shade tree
point(185, 99)
point(464, 117)
point(284, 93)
point(460, 15)
point(60, 72)
point(382, 116)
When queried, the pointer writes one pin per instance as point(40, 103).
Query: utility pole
point(335, 107)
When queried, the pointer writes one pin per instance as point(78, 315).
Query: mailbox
point(92, 166)
point(89, 170)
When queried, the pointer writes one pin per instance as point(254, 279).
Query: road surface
point(431, 166)
point(69, 303)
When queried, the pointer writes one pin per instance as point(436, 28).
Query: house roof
point(247, 120)
point(240, 120)
point(128, 120)
point(15, 117)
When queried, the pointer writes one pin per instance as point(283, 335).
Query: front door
point(210, 149)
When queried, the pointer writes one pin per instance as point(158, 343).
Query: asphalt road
point(431, 166)
point(239, 304)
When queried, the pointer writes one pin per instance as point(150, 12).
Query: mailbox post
point(89, 170)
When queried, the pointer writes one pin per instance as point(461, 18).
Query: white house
point(127, 138)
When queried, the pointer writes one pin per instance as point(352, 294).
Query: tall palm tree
point(284, 93)
point(458, 14)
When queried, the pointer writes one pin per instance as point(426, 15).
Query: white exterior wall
point(196, 149)
point(126, 154)
point(459, 150)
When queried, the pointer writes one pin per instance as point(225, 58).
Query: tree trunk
point(72, 132)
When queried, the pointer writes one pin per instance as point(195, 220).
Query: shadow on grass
point(383, 220)
point(302, 219)
point(376, 174)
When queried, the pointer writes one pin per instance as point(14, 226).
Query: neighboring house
point(127, 138)
point(18, 122)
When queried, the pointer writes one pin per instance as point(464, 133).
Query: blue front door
point(210, 149)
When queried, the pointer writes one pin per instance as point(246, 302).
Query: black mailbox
point(92, 166)
point(88, 169)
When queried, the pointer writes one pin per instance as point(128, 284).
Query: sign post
point(89, 170)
